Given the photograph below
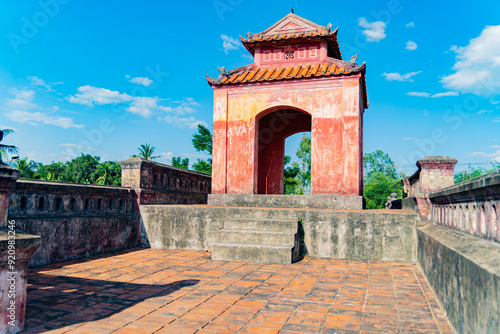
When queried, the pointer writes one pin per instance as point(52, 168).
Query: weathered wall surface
point(335, 105)
point(157, 183)
point(74, 220)
point(464, 271)
point(363, 235)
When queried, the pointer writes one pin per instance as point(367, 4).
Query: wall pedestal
point(16, 249)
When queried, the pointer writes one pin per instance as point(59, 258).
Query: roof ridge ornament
point(353, 58)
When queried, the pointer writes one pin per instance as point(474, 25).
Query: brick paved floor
point(169, 291)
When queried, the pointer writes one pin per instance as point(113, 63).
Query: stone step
point(282, 225)
point(248, 252)
point(257, 237)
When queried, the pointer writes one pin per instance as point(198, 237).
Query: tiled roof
point(313, 32)
point(252, 73)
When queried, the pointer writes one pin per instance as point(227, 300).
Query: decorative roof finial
point(249, 34)
point(292, 11)
point(329, 26)
point(222, 70)
point(353, 58)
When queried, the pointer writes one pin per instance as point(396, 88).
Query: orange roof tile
point(251, 73)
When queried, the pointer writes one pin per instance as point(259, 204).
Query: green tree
point(108, 173)
point(379, 161)
point(473, 172)
point(380, 179)
point(4, 149)
point(82, 169)
point(202, 142)
point(304, 154)
point(181, 163)
point(27, 167)
point(292, 179)
point(52, 172)
point(146, 151)
point(203, 166)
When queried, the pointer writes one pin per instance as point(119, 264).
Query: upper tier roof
point(294, 28)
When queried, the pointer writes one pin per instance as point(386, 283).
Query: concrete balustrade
point(470, 206)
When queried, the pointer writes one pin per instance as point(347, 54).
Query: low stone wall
point(74, 220)
point(464, 272)
point(366, 235)
point(316, 201)
point(470, 206)
point(157, 183)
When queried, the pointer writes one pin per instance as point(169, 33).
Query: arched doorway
point(273, 127)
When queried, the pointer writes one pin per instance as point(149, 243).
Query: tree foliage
point(202, 142)
point(304, 154)
point(181, 163)
point(379, 161)
point(203, 166)
point(5, 149)
point(380, 180)
point(84, 169)
point(473, 172)
point(292, 180)
point(27, 167)
point(146, 151)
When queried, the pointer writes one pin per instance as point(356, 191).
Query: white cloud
point(179, 110)
point(445, 94)
point(79, 147)
point(182, 122)
point(400, 77)
point(20, 104)
point(143, 105)
point(229, 43)
point(90, 96)
point(374, 31)
point(494, 146)
point(37, 82)
point(22, 99)
point(410, 45)
point(36, 118)
point(477, 69)
point(484, 112)
point(423, 94)
point(141, 81)
point(22, 94)
point(496, 120)
point(410, 25)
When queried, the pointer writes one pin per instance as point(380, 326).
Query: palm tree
point(27, 167)
point(146, 151)
point(104, 170)
point(4, 149)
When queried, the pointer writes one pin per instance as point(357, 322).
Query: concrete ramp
point(258, 240)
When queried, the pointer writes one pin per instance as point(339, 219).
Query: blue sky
point(103, 77)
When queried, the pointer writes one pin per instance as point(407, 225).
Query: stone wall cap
point(23, 239)
point(69, 184)
point(437, 158)
point(137, 162)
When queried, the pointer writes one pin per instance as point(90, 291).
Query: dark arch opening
point(274, 126)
